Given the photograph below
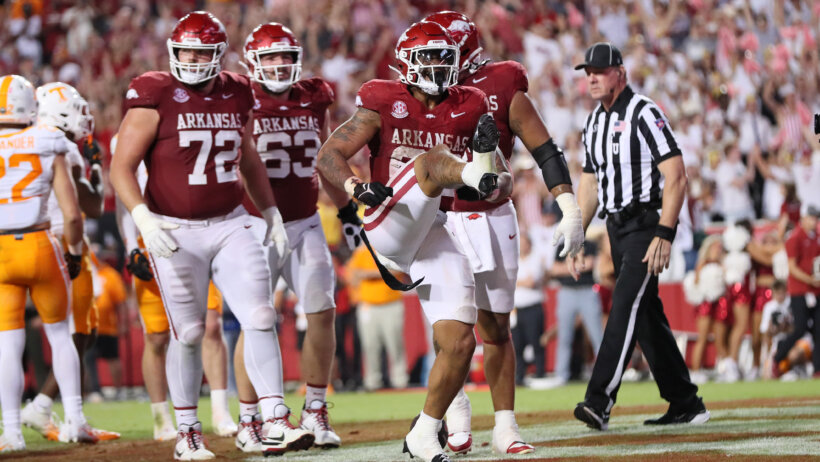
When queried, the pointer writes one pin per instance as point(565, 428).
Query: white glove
point(157, 240)
point(275, 231)
point(571, 227)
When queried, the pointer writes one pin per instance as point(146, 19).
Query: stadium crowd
point(739, 81)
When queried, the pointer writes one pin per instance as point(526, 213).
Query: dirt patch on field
point(365, 432)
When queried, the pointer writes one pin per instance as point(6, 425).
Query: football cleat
point(317, 422)
point(693, 412)
point(74, 432)
point(459, 414)
point(426, 447)
point(105, 435)
point(190, 445)
point(164, 432)
point(509, 441)
point(249, 436)
point(224, 426)
point(594, 419)
point(39, 421)
point(11, 443)
point(281, 436)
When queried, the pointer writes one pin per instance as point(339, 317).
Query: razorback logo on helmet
point(427, 58)
point(267, 40)
point(199, 30)
point(464, 32)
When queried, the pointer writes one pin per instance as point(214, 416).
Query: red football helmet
point(268, 39)
point(465, 34)
point(427, 58)
point(199, 30)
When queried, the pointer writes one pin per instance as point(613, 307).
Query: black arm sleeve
point(550, 159)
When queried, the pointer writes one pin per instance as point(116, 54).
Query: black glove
point(486, 136)
point(351, 224)
point(138, 265)
point(91, 151)
point(75, 264)
point(467, 193)
point(372, 194)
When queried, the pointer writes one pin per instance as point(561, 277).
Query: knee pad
point(192, 334)
point(262, 318)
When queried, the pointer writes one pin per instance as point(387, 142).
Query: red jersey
point(805, 250)
point(192, 165)
point(409, 128)
point(500, 82)
point(287, 135)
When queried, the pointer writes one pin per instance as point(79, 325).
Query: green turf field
point(133, 419)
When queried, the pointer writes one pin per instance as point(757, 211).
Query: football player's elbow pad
point(550, 159)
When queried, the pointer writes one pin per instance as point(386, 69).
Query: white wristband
point(350, 184)
point(567, 204)
point(76, 249)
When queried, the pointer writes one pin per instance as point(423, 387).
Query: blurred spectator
point(380, 316)
point(776, 324)
point(576, 299)
point(111, 313)
point(529, 311)
point(732, 180)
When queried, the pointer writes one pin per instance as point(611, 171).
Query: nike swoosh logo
point(247, 226)
point(280, 439)
point(227, 96)
point(454, 115)
point(479, 80)
point(305, 104)
point(512, 236)
point(313, 226)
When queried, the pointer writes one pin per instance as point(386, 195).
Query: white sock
point(183, 369)
point(273, 407)
point(43, 403)
point(65, 362)
point(161, 414)
point(185, 416)
point(248, 408)
point(427, 425)
point(12, 343)
point(219, 404)
point(315, 396)
point(505, 419)
point(263, 362)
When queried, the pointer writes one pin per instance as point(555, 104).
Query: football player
point(417, 127)
point(60, 106)
point(190, 126)
point(32, 163)
point(290, 124)
point(157, 333)
point(488, 230)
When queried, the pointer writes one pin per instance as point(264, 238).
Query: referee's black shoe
point(593, 418)
point(692, 412)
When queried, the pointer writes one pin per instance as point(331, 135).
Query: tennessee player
point(157, 332)
point(190, 126)
point(32, 163)
point(417, 127)
point(488, 230)
point(60, 106)
point(290, 124)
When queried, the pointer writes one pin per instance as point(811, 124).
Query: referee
point(633, 169)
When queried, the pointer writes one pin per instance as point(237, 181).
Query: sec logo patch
point(399, 110)
point(180, 95)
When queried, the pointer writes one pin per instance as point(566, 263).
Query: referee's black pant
point(637, 315)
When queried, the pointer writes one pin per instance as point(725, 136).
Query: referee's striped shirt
point(623, 147)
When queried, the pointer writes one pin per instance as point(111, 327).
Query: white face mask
point(194, 73)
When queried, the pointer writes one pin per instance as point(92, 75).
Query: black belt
point(630, 211)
